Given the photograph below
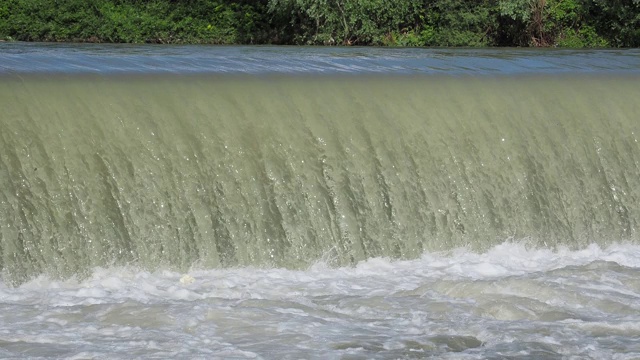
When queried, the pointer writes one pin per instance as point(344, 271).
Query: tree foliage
point(566, 23)
point(134, 21)
point(347, 22)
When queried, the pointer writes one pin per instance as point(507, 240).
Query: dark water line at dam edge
point(218, 170)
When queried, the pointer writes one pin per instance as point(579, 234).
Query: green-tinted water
point(227, 171)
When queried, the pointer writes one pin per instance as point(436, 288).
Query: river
point(318, 202)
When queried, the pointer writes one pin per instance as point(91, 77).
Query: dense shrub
point(567, 23)
point(347, 22)
point(133, 21)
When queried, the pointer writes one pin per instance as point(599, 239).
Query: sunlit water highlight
point(510, 302)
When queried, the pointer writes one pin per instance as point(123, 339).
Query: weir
point(175, 171)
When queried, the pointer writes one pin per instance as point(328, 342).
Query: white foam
point(508, 296)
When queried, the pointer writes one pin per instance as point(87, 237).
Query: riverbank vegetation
point(563, 23)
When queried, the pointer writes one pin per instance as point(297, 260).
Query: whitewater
point(510, 302)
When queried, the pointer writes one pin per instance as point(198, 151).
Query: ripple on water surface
point(124, 58)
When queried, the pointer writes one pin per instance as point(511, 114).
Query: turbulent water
point(199, 202)
point(506, 303)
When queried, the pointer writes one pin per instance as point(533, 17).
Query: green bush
point(350, 22)
point(616, 21)
point(582, 38)
point(461, 23)
point(133, 21)
point(566, 23)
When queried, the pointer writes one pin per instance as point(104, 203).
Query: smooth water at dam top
point(181, 59)
point(487, 206)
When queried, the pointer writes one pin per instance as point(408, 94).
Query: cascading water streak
point(219, 171)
